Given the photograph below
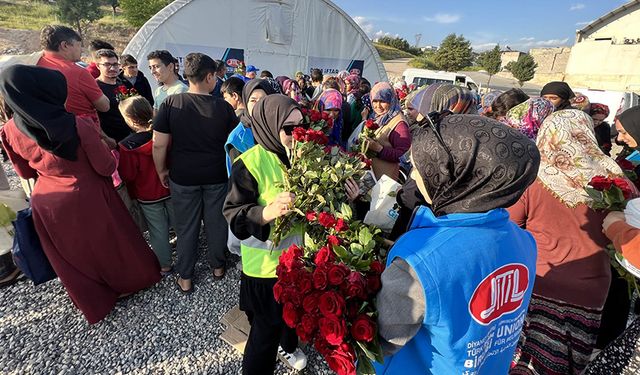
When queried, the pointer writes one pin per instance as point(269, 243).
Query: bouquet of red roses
point(609, 193)
point(123, 93)
point(327, 289)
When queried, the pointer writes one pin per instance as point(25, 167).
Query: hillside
point(390, 53)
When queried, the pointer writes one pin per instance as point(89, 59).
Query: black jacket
point(142, 86)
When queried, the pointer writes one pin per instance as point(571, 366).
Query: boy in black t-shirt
point(197, 126)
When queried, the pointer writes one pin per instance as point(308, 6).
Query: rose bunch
point(328, 295)
point(609, 193)
point(123, 93)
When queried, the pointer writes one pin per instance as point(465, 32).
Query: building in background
point(508, 55)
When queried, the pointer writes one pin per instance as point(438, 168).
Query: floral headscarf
point(332, 99)
point(528, 116)
point(354, 82)
point(366, 102)
point(599, 109)
point(384, 92)
point(291, 89)
point(274, 85)
point(487, 100)
point(570, 156)
point(580, 102)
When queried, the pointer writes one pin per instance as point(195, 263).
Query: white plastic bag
point(382, 212)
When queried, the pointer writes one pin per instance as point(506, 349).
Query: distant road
point(395, 68)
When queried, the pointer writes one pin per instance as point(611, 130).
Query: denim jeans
point(193, 205)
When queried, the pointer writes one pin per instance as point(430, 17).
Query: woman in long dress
point(86, 231)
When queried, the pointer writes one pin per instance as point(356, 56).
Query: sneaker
point(296, 360)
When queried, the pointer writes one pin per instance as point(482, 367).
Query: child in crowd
point(137, 170)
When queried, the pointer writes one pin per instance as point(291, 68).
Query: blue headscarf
point(384, 92)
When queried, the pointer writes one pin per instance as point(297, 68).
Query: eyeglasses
point(109, 66)
point(288, 129)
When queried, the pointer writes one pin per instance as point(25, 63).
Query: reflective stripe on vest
point(260, 259)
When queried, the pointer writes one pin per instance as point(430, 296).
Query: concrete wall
point(509, 56)
point(552, 63)
point(623, 24)
point(605, 66)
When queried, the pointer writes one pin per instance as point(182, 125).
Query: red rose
point(371, 125)
point(290, 258)
point(363, 328)
point(133, 91)
point(353, 307)
point(600, 183)
point(355, 286)
point(311, 216)
point(320, 279)
point(300, 134)
point(332, 329)
point(331, 303)
point(342, 360)
point(322, 346)
point(333, 240)
point(325, 116)
point(337, 273)
point(290, 315)
point(122, 89)
point(307, 327)
point(323, 256)
point(376, 267)
point(330, 124)
point(373, 283)
point(277, 291)
point(310, 302)
point(326, 220)
point(341, 225)
point(315, 116)
point(624, 186)
point(626, 164)
point(304, 282)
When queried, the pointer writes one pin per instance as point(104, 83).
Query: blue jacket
point(240, 138)
point(477, 271)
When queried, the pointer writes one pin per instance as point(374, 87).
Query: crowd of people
point(492, 189)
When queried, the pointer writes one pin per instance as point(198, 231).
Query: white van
point(422, 77)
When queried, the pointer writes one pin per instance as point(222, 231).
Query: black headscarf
point(37, 96)
point(476, 164)
point(561, 89)
point(248, 88)
point(630, 120)
point(269, 115)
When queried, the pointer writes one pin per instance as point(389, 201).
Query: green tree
point(523, 69)
point(397, 43)
point(454, 53)
point(490, 61)
point(137, 12)
point(78, 13)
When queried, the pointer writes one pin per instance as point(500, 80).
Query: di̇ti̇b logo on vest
point(500, 293)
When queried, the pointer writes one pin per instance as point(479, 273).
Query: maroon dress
point(86, 231)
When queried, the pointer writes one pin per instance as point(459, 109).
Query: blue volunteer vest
point(477, 271)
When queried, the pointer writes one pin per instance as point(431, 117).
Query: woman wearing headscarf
point(598, 113)
point(330, 102)
point(528, 116)
point(291, 89)
point(628, 127)
point(581, 102)
point(274, 85)
point(280, 80)
point(445, 96)
point(356, 106)
point(487, 100)
point(564, 316)
point(353, 88)
point(438, 316)
point(97, 251)
point(393, 138)
point(505, 101)
point(558, 93)
point(253, 202)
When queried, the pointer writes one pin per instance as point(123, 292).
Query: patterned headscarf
point(580, 102)
point(441, 96)
point(343, 74)
point(281, 79)
point(274, 85)
point(354, 81)
point(366, 102)
point(599, 109)
point(487, 100)
point(472, 163)
point(570, 156)
point(384, 92)
point(291, 89)
point(528, 116)
point(332, 99)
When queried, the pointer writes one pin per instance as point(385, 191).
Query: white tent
point(282, 36)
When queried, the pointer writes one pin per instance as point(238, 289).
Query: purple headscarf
point(384, 92)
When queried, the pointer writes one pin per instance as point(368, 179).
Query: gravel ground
point(156, 331)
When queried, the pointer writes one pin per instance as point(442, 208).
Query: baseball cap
point(251, 68)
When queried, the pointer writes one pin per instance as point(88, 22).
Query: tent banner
point(232, 57)
point(330, 65)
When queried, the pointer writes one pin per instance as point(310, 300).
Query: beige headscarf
point(570, 156)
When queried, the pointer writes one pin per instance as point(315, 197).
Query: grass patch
point(390, 53)
point(423, 63)
point(26, 15)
